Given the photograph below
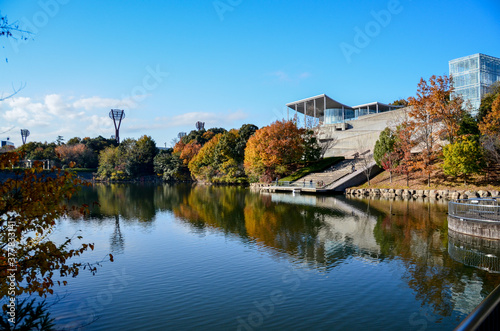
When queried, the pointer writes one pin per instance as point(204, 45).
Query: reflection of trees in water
point(417, 232)
point(321, 235)
point(119, 203)
point(284, 228)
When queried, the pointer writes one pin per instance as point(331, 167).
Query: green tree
point(468, 125)
point(312, 149)
point(244, 133)
point(74, 141)
point(400, 102)
point(60, 140)
point(384, 153)
point(203, 165)
point(463, 158)
point(384, 145)
point(141, 156)
point(112, 164)
point(169, 166)
point(96, 145)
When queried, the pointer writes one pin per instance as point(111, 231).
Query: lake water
point(208, 258)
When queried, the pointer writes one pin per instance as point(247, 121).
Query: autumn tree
point(435, 114)
point(487, 101)
point(447, 106)
point(274, 150)
point(490, 130)
point(490, 125)
point(78, 153)
point(203, 165)
point(189, 151)
point(463, 157)
point(219, 160)
point(403, 148)
point(30, 204)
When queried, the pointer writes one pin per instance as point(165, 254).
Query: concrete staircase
point(360, 133)
point(327, 177)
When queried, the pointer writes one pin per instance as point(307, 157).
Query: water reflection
point(473, 251)
point(322, 232)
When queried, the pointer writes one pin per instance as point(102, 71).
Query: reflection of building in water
point(467, 295)
point(352, 226)
point(474, 251)
point(309, 200)
point(117, 242)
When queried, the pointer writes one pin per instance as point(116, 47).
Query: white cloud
point(55, 115)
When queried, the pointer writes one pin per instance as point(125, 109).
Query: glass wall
point(472, 75)
point(338, 115)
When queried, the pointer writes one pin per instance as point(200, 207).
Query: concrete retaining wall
point(413, 194)
point(484, 229)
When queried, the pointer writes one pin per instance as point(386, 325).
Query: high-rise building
point(472, 76)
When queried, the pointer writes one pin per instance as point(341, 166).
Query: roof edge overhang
point(329, 102)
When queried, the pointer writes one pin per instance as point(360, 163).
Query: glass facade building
point(472, 76)
point(323, 110)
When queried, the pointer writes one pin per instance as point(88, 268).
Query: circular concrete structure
point(475, 217)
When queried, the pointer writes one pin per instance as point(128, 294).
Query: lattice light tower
point(25, 134)
point(117, 115)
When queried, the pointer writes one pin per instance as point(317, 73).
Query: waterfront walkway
point(335, 179)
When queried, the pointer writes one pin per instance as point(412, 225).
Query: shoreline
point(415, 194)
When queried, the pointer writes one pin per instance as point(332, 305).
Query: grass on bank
point(317, 166)
point(439, 181)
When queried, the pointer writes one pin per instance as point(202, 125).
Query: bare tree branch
point(15, 91)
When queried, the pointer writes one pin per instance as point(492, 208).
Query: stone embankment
point(414, 194)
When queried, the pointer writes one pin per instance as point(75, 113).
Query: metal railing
point(297, 184)
point(482, 209)
point(486, 316)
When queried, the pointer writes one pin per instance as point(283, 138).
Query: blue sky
point(169, 64)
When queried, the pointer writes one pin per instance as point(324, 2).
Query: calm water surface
point(207, 258)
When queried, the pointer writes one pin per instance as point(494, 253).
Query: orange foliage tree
point(78, 153)
point(274, 150)
point(490, 130)
point(187, 151)
point(403, 147)
point(490, 125)
point(435, 114)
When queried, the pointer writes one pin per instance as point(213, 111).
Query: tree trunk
point(390, 177)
